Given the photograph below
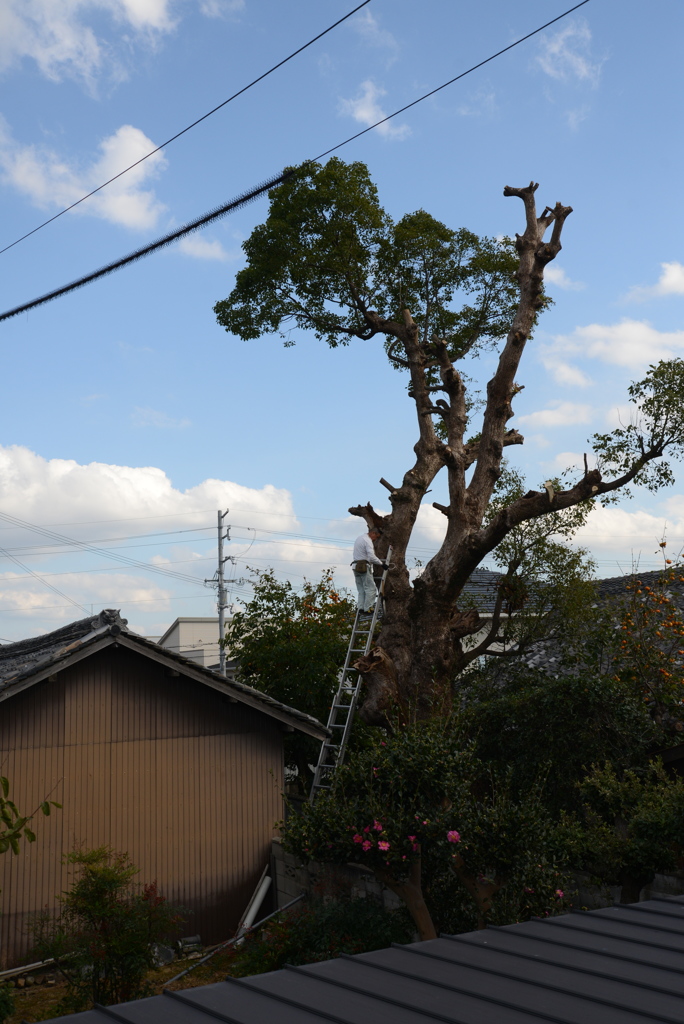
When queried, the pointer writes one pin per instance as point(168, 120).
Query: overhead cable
point(248, 197)
point(184, 130)
point(184, 577)
point(137, 254)
point(451, 80)
point(40, 579)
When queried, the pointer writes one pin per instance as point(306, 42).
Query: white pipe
point(255, 905)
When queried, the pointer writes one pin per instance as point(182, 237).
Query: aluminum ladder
point(346, 698)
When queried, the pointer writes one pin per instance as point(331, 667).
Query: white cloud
point(480, 102)
point(566, 374)
point(202, 249)
point(557, 276)
point(370, 31)
point(631, 343)
point(576, 116)
point(111, 590)
point(627, 533)
point(367, 111)
point(49, 181)
point(670, 282)
point(568, 460)
point(221, 8)
point(146, 417)
point(59, 37)
point(559, 414)
point(64, 491)
point(566, 55)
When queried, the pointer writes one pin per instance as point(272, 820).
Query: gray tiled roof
point(616, 586)
point(621, 965)
point(22, 656)
point(481, 590)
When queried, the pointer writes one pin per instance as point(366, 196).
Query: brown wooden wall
point(165, 769)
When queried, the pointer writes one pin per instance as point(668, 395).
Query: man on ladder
point(350, 680)
point(363, 560)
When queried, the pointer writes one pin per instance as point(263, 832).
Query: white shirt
point(363, 550)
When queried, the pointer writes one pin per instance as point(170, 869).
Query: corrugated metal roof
point(621, 965)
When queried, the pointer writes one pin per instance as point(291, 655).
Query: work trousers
point(365, 585)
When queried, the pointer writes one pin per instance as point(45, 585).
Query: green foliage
point(102, 939)
point(657, 425)
point(290, 644)
point(321, 930)
point(7, 1006)
point(546, 589)
point(328, 251)
point(633, 825)
point(550, 728)
point(14, 825)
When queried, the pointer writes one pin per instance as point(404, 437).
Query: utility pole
point(222, 602)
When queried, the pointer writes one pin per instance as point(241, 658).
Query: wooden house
point(149, 753)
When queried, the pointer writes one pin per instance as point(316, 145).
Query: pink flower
point(454, 837)
point(367, 828)
point(560, 894)
point(377, 826)
point(383, 845)
point(412, 839)
point(366, 845)
point(414, 847)
point(358, 838)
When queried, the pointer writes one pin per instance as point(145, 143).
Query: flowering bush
point(417, 807)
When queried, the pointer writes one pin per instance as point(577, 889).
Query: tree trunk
point(632, 884)
point(482, 890)
point(411, 892)
point(423, 627)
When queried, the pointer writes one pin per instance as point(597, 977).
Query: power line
point(452, 80)
point(137, 254)
point(184, 130)
point(247, 197)
point(184, 577)
point(40, 579)
point(131, 519)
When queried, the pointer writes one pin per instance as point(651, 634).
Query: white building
point(195, 638)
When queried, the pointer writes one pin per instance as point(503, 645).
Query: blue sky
point(128, 415)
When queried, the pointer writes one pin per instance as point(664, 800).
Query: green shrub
point(321, 930)
point(102, 940)
point(6, 1003)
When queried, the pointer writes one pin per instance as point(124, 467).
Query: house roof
point(482, 589)
point(28, 662)
point(620, 965)
point(616, 586)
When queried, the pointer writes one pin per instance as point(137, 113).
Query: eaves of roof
point(113, 636)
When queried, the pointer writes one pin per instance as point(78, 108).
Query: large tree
point(329, 259)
